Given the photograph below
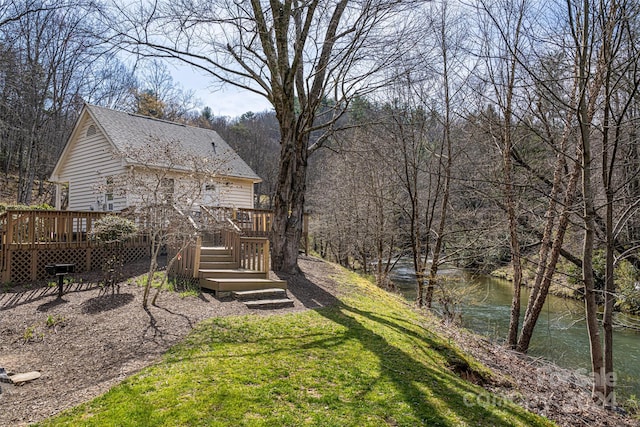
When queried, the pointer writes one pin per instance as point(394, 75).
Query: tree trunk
point(536, 302)
point(514, 242)
point(514, 317)
point(289, 203)
point(591, 306)
point(448, 154)
point(609, 299)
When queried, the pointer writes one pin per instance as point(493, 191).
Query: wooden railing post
point(31, 224)
point(10, 226)
point(196, 258)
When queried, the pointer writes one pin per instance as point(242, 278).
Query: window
point(210, 187)
point(108, 195)
point(167, 189)
point(91, 130)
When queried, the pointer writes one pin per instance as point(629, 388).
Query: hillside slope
point(366, 360)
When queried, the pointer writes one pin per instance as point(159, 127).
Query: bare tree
point(159, 95)
point(49, 57)
point(449, 37)
point(621, 82)
point(295, 54)
point(504, 28)
point(355, 222)
point(163, 185)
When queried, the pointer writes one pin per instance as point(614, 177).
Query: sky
point(228, 101)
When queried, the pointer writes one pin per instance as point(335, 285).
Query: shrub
point(113, 231)
point(627, 280)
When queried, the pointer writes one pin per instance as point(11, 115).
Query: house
point(107, 144)
point(115, 160)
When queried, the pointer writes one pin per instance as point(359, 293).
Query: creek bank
point(485, 311)
point(542, 387)
point(560, 286)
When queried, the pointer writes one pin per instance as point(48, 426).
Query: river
point(560, 334)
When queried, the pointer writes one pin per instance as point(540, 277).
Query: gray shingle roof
point(127, 130)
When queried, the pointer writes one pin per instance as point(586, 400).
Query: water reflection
point(560, 334)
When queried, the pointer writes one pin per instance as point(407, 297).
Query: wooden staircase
point(220, 272)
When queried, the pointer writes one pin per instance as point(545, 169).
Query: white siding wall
point(88, 163)
point(235, 193)
point(191, 194)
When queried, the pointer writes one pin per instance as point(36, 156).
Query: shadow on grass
point(420, 385)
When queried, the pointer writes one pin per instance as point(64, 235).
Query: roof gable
point(128, 132)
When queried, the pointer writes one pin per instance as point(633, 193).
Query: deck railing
point(251, 253)
point(254, 253)
point(251, 222)
point(184, 257)
point(27, 229)
point(30, 239)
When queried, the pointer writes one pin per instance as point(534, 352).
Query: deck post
point(87, 259)
point(196, 258)
point(6, 275)
point(31, 224)
point(33, 274)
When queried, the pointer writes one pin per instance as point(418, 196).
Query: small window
point(91, 130)
point(210, 187)
point(167, 186)
point(108, 196)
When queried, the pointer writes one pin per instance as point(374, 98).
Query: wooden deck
point(231, 256)
point(30, 240)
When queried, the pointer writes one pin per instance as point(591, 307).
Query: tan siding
point(236, 194)
point(89, 161)
point(88, 164)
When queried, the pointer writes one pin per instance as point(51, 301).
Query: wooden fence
point(30, 240)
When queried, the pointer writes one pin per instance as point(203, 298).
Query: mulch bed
point(93, 338)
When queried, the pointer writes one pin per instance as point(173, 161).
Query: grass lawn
point(367, 361)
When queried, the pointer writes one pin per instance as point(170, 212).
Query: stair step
point(270, 303)
point(214, 250)
point(226, 284)
point(216, 257)
point(260, 294)
point(217, 265)
point(228, 273)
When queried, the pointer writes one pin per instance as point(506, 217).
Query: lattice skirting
point(29, 265)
